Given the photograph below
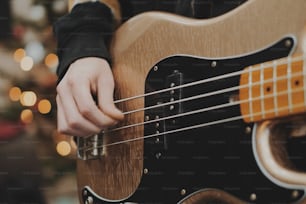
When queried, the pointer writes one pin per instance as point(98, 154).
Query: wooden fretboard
point(273, 89)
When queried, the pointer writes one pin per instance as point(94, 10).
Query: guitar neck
point(273, 89)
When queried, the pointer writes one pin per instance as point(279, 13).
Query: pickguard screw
point(89, 200)
point(155, 68)
point(158, 155)
point(145, 171)
point(295, 194)
point(288, 43)
point(213, 64)
point(248, 130)
point(183, 191)
point(253, 197)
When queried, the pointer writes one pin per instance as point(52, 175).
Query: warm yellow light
point(28, 98)
point(19, 54)
point(26, 63)
point(14, 93)
point(51, 60)
point(44, 106)
point(26, 116)
point(63, 148)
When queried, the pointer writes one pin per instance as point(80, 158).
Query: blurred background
point(37, 164)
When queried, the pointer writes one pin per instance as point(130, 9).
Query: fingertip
point(118, 114)
point(113, 112)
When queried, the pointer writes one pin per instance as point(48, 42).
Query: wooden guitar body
point(197, 149)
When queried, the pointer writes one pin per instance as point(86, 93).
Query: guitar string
point(177, 130)
point(201, 96)
point(285, 92)
point(196, 126)
point(208, 108)
point(255, 67)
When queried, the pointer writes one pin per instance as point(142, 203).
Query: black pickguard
point(215, 156)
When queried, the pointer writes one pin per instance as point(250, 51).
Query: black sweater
point(87, 29)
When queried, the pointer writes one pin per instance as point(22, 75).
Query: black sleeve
point(84, 32)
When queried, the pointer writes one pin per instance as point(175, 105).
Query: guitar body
point(188, 152)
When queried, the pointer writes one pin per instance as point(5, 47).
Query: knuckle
point(73, 124)
point(59, 88)
point(63, 130)
point(71, 82)
point(85, 111)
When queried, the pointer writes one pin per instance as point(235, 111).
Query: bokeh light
point(26, 63)
point(15, 93)
point(35, 50)
point(28, 98)
point(19, 54)
point(44, 106)
point(26, 116)
point(63, 148)
point(51, 60)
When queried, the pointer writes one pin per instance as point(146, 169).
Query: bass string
point(171, 131)
point(185, 128)
point(223, 91)
point(216, 107)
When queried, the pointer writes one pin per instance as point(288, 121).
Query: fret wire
point(262, 91)
point(275, 87)
point(304, 74)
point(289, 61)
point(250, 94)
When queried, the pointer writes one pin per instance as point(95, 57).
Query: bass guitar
point(214, 110)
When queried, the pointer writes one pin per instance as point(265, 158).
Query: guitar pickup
point(166, 105)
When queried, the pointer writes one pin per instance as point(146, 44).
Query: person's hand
point(78, 114)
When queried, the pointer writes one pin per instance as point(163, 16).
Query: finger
point(106, 99)
point(88, 108)
point(73, 119)
point(62, 125)
point(66, 128)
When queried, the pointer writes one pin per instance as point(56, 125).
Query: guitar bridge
point(90, 147)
